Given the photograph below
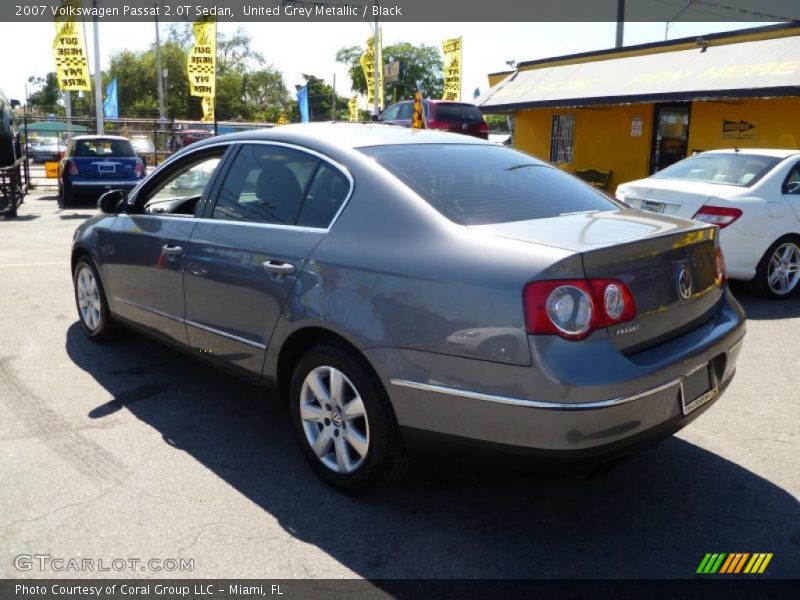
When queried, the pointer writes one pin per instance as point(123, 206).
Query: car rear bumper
point(99, 187)
point(540, 411)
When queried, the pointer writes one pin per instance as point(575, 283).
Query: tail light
point(717, 215)
point(721, 272)
point(483, 127)
point(72, 167)
point(139, 168)
point(573, 308)
point(434, 124)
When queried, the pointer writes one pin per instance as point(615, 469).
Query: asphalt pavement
point(130, 450)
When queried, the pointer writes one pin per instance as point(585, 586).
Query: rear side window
point(265, 184)
point(327, 192)
point(727, 168)
point(461, 113)
point(101, 148)
point(482, 184)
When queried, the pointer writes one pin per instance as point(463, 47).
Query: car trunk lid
point(668, 264)
point(673, 197)
point(112, 167)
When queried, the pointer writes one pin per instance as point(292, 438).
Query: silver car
point(403, 288)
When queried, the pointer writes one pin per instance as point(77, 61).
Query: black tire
point(759, 285)
point(385, 460)
point(65, 198)
point(104, 327)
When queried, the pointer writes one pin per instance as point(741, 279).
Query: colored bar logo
point(734, 563)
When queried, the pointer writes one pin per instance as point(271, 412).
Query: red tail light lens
point(717, 215)
point(434, 124)
point(721, 275)
point(139, 168)
point(573, 308)
point(72, 168)
point(483, 126)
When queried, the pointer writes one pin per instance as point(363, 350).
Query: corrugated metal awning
point(761, 68)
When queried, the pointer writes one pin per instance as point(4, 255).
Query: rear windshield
point(464, 113)
point(729, 169)
point(482, 184)
point(103, 148)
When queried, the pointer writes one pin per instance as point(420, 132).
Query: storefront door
point(670, 135)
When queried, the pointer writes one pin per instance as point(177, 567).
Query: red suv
point(458, 117)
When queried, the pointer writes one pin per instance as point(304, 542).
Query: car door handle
point(171, 250)
point(279, 267)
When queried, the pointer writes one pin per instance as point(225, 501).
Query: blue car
point(94, 164)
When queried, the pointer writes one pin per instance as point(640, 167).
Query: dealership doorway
point(670, 135)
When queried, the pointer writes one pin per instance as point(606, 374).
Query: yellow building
point(635, 110)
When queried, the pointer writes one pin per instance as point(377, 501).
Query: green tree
point(46, 98)
point(421, 64)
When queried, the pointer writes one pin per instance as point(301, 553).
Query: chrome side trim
point(225, 334)
point(107, 183)
point(160, 313)
point(440, 389)
point(338, 166)
point(149, 309)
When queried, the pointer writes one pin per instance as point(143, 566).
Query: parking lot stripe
point(34, 264)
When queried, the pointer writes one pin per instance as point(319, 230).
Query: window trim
point(785, 184)
point(166, 170)
point(208, 210)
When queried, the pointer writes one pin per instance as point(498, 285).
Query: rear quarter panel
point(393, 272)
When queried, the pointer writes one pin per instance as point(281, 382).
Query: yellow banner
point(452, 69)
point(207, 102)
point(353, 106)
point(367, 61)
point(202, 59)
point(69, 52)
point(418, 116)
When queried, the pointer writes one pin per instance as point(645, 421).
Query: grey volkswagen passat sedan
point(402, 287)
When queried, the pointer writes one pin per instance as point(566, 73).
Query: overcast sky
point(296, 48)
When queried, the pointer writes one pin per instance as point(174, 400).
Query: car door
point(791, 190)
point(144, 256)
point(264, 220)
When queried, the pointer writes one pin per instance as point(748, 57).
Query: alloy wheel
point(783, 272)
point(334, 419)
point(89, 302)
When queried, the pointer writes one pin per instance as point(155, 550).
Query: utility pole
point(620, 23)
point(333, 99)
point(162, 113)
point(68, 111)
point(375, 56)
point(98, 77)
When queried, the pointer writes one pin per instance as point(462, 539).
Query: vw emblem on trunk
point(684, 283)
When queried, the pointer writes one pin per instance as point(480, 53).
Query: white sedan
point(754, 197)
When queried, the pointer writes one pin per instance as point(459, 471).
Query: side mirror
point(109, 202)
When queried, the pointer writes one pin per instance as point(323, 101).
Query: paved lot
point(131, 450)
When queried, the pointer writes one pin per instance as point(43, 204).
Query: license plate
point(698, 387)
point(655, 207)
point(106, 168)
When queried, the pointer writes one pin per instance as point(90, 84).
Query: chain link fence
point(45, 139)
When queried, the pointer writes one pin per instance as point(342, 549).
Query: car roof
point(345, 135)
point(80, 138)
point(775, 152)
